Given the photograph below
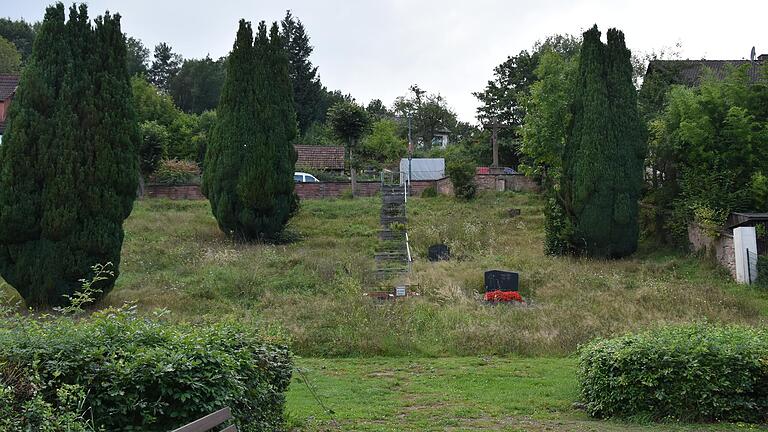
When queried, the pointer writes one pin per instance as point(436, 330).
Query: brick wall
point(191, 192)
point(485, 182)
point(335, 189)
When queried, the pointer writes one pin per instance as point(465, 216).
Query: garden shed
point(422, 169)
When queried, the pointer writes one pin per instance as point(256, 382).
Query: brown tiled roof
point(320, 157)
point(8, 84)
point(690, 72)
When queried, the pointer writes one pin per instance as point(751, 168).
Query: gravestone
point(439, 252)
point(500, 280)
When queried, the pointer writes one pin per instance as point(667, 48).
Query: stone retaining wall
point(719, 248)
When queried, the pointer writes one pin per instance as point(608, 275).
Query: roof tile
point(320, 157)
point(8, 84)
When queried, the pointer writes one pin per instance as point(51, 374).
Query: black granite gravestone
point(500, 280)
point(439, 252)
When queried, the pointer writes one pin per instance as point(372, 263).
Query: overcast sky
point(378, 48)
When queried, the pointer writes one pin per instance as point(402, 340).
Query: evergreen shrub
point(140, 374)
point(695, 372)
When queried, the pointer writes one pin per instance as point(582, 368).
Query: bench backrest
point(209, 422)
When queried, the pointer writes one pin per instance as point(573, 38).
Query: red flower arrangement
point(503, 296)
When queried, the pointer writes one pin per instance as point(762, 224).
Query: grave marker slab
point(501, 280)
point(439, 252)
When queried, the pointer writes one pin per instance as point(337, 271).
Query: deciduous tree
point(349, 122)
point(197, 86)
point(10, 59)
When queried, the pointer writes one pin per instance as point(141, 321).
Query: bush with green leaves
point(141, 374)
point(461, 170)
point(695, 372)
point(23, 408)
point(176, 172)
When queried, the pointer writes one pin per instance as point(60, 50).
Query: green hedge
point(146, 375)
point(691, 373)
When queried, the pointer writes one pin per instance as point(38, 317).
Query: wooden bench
point(209, 422)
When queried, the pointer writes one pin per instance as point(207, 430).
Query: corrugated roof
point(8, 84)
point(320, 157)
point(690, 72)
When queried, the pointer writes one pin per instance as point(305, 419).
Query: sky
point(376, 49)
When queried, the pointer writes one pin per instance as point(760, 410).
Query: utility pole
point(410, 151)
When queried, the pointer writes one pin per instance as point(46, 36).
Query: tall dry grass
point(175, 257)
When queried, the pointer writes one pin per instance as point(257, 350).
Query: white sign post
point(745, 249)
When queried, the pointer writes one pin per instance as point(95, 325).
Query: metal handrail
point(408, 248)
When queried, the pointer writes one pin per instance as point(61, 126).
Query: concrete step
point(391, 256)
point(391, 235)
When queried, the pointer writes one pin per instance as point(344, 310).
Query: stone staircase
point(391, 255)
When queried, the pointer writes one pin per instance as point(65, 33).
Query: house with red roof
point(8, 84)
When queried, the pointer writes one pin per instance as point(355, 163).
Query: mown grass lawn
point(449, 394)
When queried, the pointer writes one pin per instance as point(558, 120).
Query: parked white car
point(302, 177)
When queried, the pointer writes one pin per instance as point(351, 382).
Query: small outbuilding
point(421, 169)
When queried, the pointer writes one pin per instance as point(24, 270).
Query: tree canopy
point(307, 90)
point(428, 111)
point(137, 57)
point(197, 86)
point(165, 66)
point(10, 58)
point(20, 33)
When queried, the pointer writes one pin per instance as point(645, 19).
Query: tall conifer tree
point(603, 156)
point(628, 132)
point(250, 160)
point(307, 89)
point(68, 164)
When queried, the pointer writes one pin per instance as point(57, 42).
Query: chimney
point(762, 57)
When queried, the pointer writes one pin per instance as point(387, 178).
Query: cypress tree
point(587, 175)
point(250, 160)
point(630, 146)
point(603, 156)
point(68, 165)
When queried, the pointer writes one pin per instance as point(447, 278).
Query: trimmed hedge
point(146, 375)
point(694, 372)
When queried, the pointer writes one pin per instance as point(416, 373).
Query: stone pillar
point(745, 251)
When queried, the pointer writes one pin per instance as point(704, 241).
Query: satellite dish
point(752, 54)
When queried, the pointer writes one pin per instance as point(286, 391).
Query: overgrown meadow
point(311, 290)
